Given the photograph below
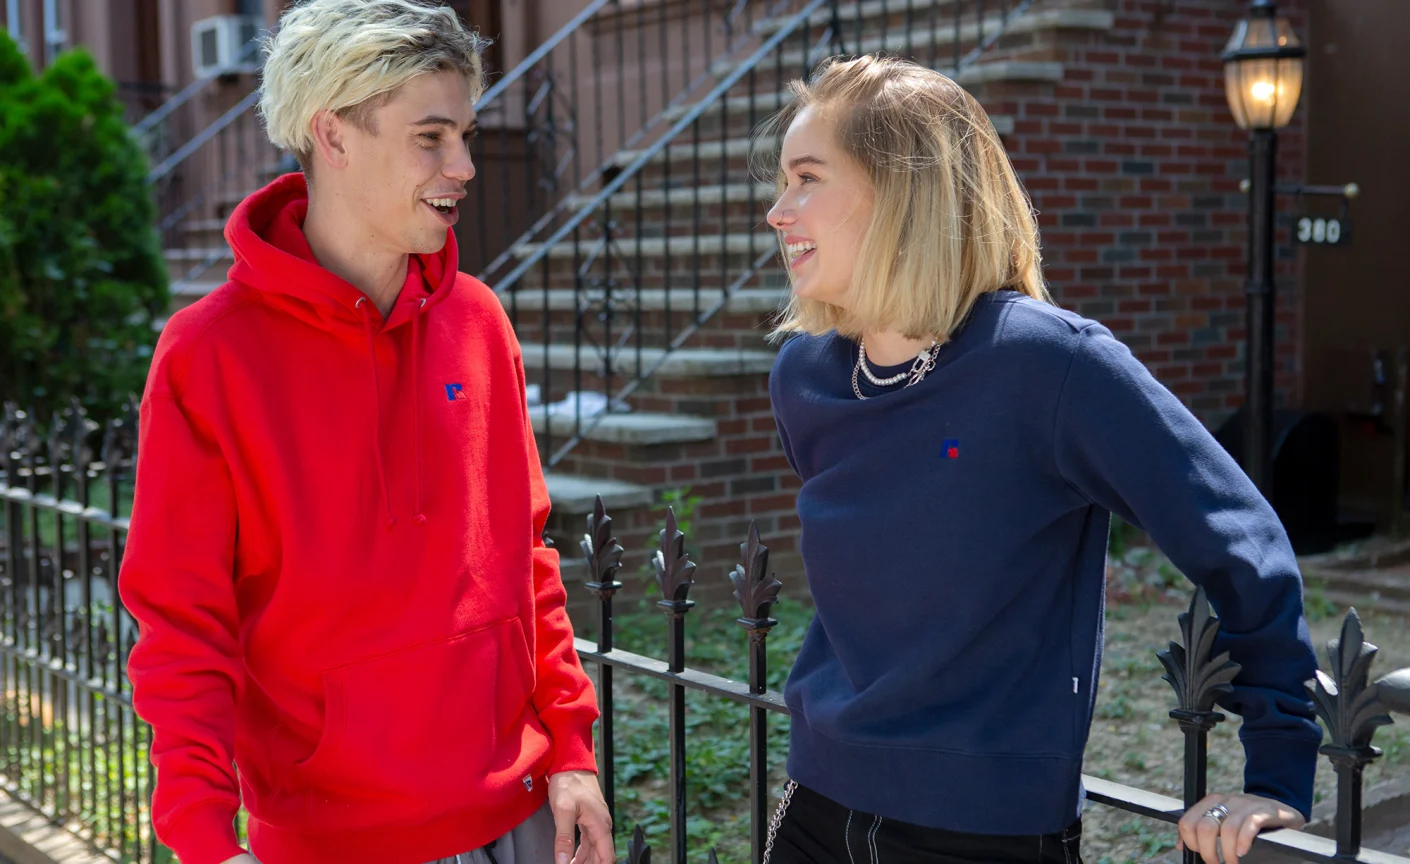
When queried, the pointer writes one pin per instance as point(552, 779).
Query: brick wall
point(1134, 161)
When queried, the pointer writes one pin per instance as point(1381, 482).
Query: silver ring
point(1218, 813)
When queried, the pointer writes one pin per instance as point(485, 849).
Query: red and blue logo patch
point(950, 448)
point(454, 392)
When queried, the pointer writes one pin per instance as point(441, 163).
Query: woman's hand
point(1243, 817)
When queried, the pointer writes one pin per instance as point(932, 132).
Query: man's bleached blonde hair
point(950, 220)
point(351, 56)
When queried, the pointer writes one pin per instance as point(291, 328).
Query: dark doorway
point(1356, 298)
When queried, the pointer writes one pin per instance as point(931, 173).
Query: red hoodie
point(336, 565)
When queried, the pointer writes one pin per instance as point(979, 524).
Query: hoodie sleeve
point(1125, 443)
point(563, 695)
point(177, 582)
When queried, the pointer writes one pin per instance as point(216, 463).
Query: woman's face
point(824, 211)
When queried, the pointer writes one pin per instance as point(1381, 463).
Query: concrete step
point(193, 254)
point(766, 103)
point(686, 151)
point(186, 292)
point(653, 247)
point(853, 11)
point(681, 363)
point(573, 495)
point(192, 226)
point(634, 428)
point(746, 300)
point(943, 33)
point(680, 196)
point(1031, 21)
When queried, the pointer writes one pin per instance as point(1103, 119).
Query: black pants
point(818, 830)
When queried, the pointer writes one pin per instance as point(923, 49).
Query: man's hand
point(576, 800)
point(247, 858)
point(1247, 815)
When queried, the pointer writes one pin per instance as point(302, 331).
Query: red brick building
point(657, 292)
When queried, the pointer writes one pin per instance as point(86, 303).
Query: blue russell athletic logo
point(454, 392)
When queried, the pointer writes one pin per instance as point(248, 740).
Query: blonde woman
point(962, 444)
point(349, 624)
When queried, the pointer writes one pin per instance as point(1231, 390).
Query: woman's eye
point(806, 178)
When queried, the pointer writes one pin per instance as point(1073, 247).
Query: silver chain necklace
point(924, 363)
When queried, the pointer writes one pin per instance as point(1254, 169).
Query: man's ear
point(330, 138)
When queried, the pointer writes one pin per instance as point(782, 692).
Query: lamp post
point(1262, 81)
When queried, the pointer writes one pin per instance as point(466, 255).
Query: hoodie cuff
point(572, 750)
point(203, 833)
point(1281, 769)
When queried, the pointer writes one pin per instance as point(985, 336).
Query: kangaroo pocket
point(415, 733)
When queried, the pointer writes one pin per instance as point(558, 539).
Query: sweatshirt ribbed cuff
point(203, 833)
point(572, 749)
point(1281, 768)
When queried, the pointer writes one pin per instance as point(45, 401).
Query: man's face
point(416, 160)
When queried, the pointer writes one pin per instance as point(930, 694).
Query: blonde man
point(349, 621)
point(962, 444)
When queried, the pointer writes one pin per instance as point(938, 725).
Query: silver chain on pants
point(775, 822)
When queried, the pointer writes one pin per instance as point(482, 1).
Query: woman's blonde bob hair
point(950, 220)
point(350, 57)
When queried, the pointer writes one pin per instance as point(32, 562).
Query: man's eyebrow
point(804, 160)
point(433, 120)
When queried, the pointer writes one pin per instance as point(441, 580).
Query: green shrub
point(81, 270)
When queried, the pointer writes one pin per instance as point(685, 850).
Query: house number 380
point(1310, 230)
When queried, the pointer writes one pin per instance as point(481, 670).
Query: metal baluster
point(673, 573)
point(757, 592)
point(1351, 710)
point(604, 559)
point(82, 461)
point(36, 676)
point(1199, 678)
point(119, 454)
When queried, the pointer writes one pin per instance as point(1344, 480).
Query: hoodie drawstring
point(419, 516)
point(366, 308)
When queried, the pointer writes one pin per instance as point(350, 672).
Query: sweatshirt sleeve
point(1125, 443)
point(564, 697)
point(177, 581)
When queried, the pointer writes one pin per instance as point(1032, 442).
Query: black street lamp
point(1262, 81)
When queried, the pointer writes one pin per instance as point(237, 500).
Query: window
point(55, 37)
point(14, 24)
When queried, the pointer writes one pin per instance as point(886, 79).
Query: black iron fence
point(72, 748)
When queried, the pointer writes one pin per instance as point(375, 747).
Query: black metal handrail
point(71, 746)
point(194, 89)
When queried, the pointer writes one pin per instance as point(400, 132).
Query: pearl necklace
point(924, 363)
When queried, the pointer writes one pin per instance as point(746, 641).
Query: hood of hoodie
point(272, 255)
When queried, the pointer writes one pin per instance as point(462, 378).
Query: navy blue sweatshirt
point(954, 537)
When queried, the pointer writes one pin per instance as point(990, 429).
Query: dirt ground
point(1135, 742)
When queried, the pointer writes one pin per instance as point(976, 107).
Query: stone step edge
point(679, 196)
point(655, 247)
point(574, 495)
point(943, 34)
point(682, 362)
point(632, 428)
point(737, 147)
point(980, 73)
point(746, 300)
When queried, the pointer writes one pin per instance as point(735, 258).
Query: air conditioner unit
point(223, 45)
